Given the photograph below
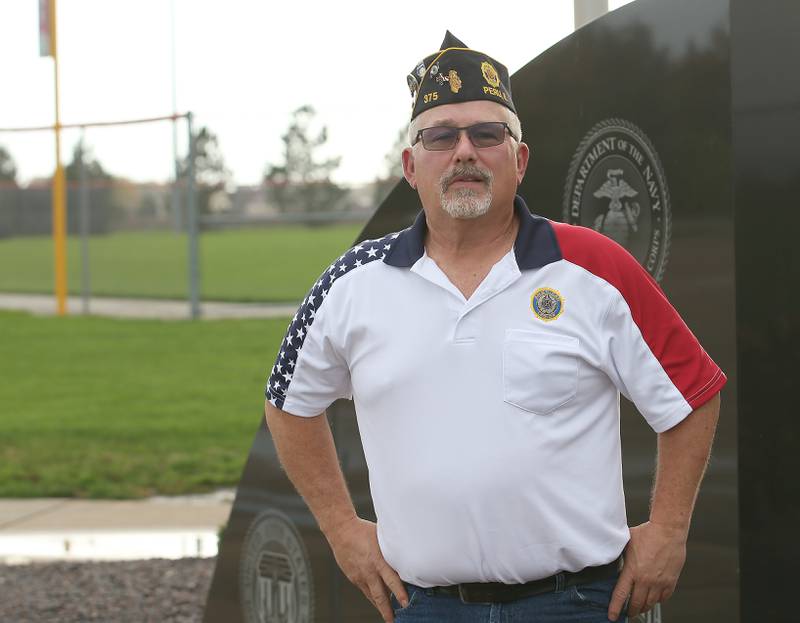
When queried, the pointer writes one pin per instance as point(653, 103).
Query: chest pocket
point(540, 370)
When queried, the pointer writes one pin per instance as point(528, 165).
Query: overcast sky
point(242, 67)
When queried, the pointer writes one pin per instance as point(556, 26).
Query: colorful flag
point(45, 34)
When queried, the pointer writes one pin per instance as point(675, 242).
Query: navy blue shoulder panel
point(536, 244)
point(356, 257)
point(410, 244)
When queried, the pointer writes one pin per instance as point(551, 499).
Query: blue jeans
point(585, 603)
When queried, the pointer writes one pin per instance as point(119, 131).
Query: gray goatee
point(466, 203)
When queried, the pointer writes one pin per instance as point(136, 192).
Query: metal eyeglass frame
point(458, 136)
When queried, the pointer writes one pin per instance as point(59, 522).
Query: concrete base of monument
point(68, 529)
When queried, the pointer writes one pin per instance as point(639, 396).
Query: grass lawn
point(95, 407)
point(263, 264)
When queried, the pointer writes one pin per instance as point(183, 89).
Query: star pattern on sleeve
point(282, 372)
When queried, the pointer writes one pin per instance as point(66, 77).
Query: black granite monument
point(672, 127)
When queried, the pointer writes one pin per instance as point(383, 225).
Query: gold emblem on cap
point(455, 81)
point(490, 74)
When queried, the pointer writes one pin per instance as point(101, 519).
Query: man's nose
point(464, 150)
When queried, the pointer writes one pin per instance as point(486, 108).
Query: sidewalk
point(70, 529)
point(45, 304)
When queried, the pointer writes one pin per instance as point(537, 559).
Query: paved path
point(44, 304)
point(72, 529)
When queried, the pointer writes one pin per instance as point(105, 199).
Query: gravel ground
point(113, 592)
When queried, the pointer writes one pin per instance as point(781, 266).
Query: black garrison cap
point(457, 74)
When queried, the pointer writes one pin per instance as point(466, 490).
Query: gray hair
point(511, 119)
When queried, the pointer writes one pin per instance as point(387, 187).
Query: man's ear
point(409, 170)
point(523, 155)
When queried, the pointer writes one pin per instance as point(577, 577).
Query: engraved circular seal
point(275, 581)
point(616, 185)
point(547, 304)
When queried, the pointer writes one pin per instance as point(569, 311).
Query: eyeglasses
point(443, 137)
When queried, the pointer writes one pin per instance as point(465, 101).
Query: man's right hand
point(307, 452)
point(355, 546)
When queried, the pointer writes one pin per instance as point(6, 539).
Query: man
point(485, 349)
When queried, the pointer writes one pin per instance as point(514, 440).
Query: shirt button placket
point(466, 328)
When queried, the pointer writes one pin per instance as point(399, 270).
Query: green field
point(264, 264)
point(95, 407)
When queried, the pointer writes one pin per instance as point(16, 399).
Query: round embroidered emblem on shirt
point(547, 304)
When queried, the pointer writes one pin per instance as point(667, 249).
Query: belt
point(498, 592)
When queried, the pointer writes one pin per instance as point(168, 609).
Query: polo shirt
point(491, 425)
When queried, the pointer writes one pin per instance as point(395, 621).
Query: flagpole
point(587, 10)
point(59, 188)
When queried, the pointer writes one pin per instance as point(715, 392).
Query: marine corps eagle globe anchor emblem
point(622, 217)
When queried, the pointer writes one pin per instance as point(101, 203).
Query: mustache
point(470, 171)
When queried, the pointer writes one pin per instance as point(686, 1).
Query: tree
point(93, 170)
point(8, 192)
point(393, 168)
point(211, 175)
point(8, 168)
point(302, 182)
point(103, 209)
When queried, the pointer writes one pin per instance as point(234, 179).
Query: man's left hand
point(654, 558)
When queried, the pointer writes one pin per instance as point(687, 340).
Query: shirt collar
point(535, 246)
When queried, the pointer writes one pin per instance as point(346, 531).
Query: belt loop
point(560, 582)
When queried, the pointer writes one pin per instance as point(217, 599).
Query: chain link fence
point(130, 230)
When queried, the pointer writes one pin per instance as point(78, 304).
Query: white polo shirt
point(490, 425)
